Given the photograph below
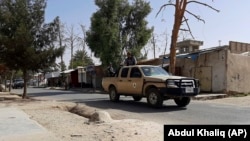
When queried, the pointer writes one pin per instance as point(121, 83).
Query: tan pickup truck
point(151, 82)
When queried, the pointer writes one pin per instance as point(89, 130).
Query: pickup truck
point(151, 82)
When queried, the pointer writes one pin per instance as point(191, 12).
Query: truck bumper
point(179, 92)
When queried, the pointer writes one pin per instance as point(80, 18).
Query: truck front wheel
point(182, 101)
point(154, 98)
point(113, 96)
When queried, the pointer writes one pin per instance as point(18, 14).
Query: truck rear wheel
point(113, 96)
point(154, 98)
point(182, 101)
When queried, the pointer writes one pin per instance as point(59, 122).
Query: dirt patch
point(71, 121)
point(81, 110)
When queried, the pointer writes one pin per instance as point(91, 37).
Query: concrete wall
point(238, 47)
point(217, 61)
point(238, 74)
point(209, 68)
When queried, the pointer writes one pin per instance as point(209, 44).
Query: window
point(135, 73)
point(154, 71)
point(124, 72)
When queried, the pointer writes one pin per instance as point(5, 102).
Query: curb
point(209, 96)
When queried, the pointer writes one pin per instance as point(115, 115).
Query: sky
point(230, 24)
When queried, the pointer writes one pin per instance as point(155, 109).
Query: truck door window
point(124, 72)
point(135, 73)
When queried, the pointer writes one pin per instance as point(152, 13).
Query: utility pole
point(153, 42)
point(83, 50)
point(83, 41)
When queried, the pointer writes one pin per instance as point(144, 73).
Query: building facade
point(221, 69)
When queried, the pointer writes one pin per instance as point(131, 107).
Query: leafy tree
point(80, 58)
point(116, 27)
point(61, 39)
point(26, 42)
point(62, 66)
point(180, 18)
point(135, 33)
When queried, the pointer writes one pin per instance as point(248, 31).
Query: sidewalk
point(17, 125)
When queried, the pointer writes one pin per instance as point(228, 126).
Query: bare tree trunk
point(180, 8)
point(60, 44)
point(72, 38)
point(25, 84)
point(172, 55)
point(71, 56)
point(11, 78)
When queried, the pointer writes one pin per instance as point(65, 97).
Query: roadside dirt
point(70, 121)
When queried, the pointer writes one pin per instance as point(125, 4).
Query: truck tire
point(182, 101)
point(113, 96)
point(154, 98)
point(137, 98)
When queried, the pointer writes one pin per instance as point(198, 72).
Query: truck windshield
point(153, 71)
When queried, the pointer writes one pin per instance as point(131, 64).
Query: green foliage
point(26, 41)
point(62, 66)
point(135, 30)
point(81, 58)
point(18, 74)
point(142, 57)
point(118, 26)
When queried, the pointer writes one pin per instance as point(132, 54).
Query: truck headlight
point(171, 84)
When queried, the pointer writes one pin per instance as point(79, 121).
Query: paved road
point(197, 112)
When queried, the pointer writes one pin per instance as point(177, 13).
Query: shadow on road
point(48, 93)
point(103, 102)
point(127, 105)
point(51, 93)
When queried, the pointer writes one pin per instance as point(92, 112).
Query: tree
point(26, 42)
point(61, 39)
point(71, 40)
point(135, 33)
point(179, 19)
point(81, 58)
point(83, 39)
point(118, 26)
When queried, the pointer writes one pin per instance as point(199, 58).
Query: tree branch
point(189, 29)
point(163, 6)
point(201, 3)
point(196, 16)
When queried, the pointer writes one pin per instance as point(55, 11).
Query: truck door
point(122, 81)
point(135, 81)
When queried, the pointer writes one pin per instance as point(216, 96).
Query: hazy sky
point(230, 24)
